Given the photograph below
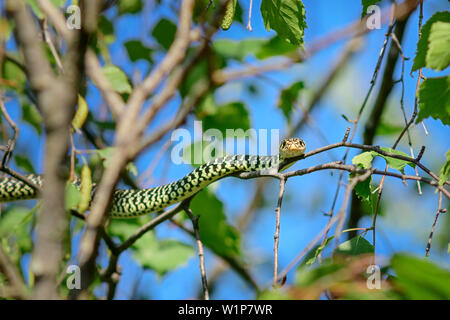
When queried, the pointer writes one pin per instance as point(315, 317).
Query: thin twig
point(12, 142)
point(95, 72)
point(276, 236)
point(201, 252)
point(438, 211)
point(249, 23)
point(48, 39)
point(348, 192)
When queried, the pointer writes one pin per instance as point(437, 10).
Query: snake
point(130, 203)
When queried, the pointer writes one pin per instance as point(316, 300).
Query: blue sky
point(408, 216)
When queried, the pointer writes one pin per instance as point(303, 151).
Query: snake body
point(130, 203)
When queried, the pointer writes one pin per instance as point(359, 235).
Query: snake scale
point(130, 203)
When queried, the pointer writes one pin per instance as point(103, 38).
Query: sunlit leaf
point(215, 232)
point(286, 17)
point(288, 99)
point(275, 47)
point(424, 45)
point(161, 256)
point(363, 160)
point(37, 10)
point(355, 246)
point(438, 54)
point(117, 79)
point(130, 6)
point(72, 198)
point(238, 50)
point(445, 170)
point(417, 278)
point(434, 97)
point(232, 115)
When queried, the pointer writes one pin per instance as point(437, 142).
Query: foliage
point(337, 268)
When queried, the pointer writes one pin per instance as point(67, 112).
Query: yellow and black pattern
point(132, 203)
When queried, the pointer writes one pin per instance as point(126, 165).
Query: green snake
point(130, 203)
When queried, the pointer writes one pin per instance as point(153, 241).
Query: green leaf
point(312, 255)
point(32, 117)
point(137, 51)
point(237, 50)
point(275, 47)
point(288, 97)
point(436, 45)
point(387, 129)
point(232, 115)
point(24, 163)
point(12, 219)
point(15, 231)
point(355, 246)
point(363, 160)
point(200, 152)
point(106, 30)
point(164, 33)
point(220, 237)
point(394, 163)
point(161, 256)
point(106, 155)
point(438, 54)
point(105, 26)
point(445, 170)
point(273, 295)
point(366, 4)
point(14, 74)
point(73, 197)
point(105, 125)
point(363, 189)
point(123, 229)
point(286, 17)
point(420, 279)
point(117, 79)
point(129, 6)
point(306, 276)
point(35, 7)
point(6, 28)
point(434, 97)
point(239, 14)
point(201, 71)
point(131, 168)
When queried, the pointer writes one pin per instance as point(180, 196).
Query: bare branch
point(276, 237)
point(94, 71)
point(201, 253)
point(12, 274)
point(438, 211)
point(57, 19)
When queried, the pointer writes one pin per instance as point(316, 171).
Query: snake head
point(292, 147)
